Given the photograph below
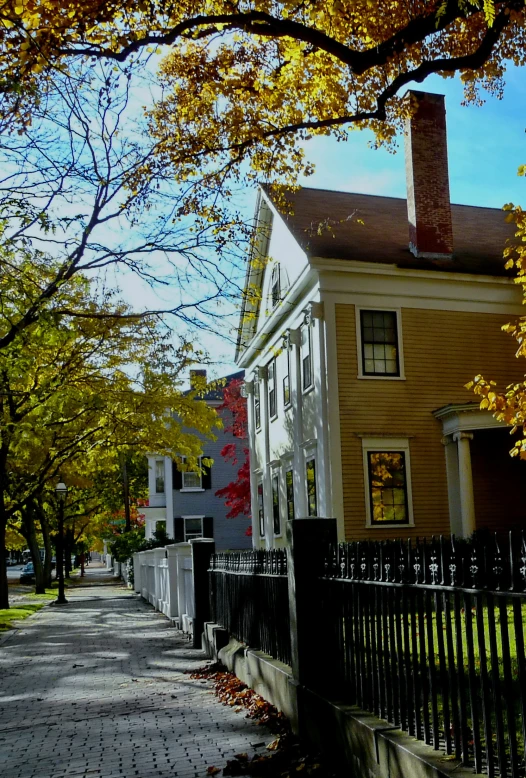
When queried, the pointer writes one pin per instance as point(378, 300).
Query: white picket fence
point(163, 577)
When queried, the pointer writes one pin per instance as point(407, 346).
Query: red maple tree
point(237, 493)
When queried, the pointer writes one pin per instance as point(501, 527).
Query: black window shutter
point(208, 527)
point(178, 530)
point(177, 477)
point(206, 480)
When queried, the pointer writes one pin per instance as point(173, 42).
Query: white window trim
point(201, 517)
point(389, 309)
point(387, 444)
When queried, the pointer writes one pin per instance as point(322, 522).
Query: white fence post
point(137, 573)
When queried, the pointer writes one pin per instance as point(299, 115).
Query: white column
point(322, 426)
point(251, 420)
point(465, 476)
point(265, 429)
point(453, 486)
point(300, 495)
point(169, 496)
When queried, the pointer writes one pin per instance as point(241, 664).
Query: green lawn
point(22, 610)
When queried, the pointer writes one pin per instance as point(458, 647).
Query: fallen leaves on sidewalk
point(285, 759)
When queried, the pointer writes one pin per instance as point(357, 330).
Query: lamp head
point(61, 490)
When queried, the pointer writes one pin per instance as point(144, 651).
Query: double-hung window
point(261, 511)
point(159, 476)
point(257, 404)
point(272, 406)
point(286, 377)
point(387, 481)
point(193, 528)
point(275, 285)
point(380, 348)
point(312, 495)
point(289, 487)
point(306, 356)
point(276, 517)
point(192, 479)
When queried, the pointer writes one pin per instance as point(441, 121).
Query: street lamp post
point(61, 491)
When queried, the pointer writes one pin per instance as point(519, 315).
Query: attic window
point(275, 286)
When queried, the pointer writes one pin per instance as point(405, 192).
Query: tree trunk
point(68, 549)
point(4, 591)
point(44, 526)
point(126, 494)
point(29, 532)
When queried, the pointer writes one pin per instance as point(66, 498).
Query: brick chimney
point(200, 375)
point(428, 204)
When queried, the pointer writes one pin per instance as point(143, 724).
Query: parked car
point(27, 574)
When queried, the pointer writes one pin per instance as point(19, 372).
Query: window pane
point(388, 487)
point(307, 376)
point(159, 476)
point(275, 505)
point(191, 480)
point(379, 343)
point(286, 390)
point(193, 525)
point(261, 513)
point(311, 488)
point(275, 284)
point(289, 480)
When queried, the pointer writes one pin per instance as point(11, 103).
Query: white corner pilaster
point(169, 494)
point(249, 392)
point(300, 500)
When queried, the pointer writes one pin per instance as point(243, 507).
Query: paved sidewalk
point(97, 689)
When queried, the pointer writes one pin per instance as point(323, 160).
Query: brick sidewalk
point(97, 689)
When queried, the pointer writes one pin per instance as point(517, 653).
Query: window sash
point(159, 476)
point(286, 380)
point(380, 348)
point(257, 405)
point(312, 496)
point(306, 356)
point(275, 505)
point(191, 479)
point(275, 286)
point(193, 528)
point(261, 511)
point(388, 501)
point(272, 410)
point(289, 485)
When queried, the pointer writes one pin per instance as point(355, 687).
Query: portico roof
point(464, 417)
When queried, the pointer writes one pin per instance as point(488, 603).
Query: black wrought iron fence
point(431, 637)
point(249, 598)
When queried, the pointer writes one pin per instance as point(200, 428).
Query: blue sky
point(486, 145)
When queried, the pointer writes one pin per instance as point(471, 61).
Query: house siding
point(228, 533)
point(442, 351)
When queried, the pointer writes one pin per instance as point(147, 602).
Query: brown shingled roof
point(479, 234)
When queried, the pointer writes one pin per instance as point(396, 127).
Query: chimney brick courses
point(428, 203)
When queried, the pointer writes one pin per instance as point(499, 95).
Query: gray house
point(186, 502)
